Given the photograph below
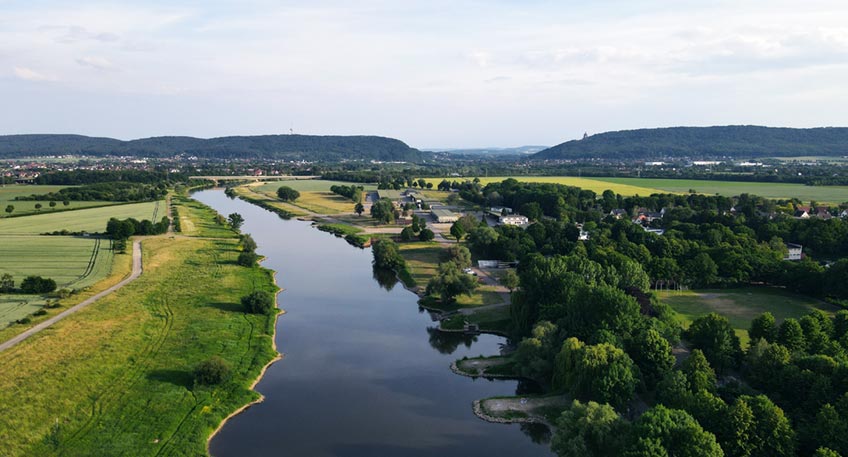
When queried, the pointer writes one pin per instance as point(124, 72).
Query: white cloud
point(98, 63)
point(28, 74)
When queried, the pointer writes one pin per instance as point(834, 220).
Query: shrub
point(259, 302)
point(213, 371)
point(247, 258)
point(426, 235)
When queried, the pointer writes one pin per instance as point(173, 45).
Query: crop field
point(741, 306)
point(822, 194)
point(9, 192)
point(308, 185)
point(73, 262)
point(594, 185)
point(647, 186)
point(90, 220)
point(117, 377)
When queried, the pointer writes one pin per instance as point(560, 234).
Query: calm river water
point(363, 373)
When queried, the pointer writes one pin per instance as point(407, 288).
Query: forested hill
point(742, 141)
point(287, 147)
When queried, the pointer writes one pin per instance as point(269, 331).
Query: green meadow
point(92, 220)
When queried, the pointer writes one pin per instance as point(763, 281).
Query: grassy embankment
point(741, 306)
point(24, 207)
point(116, 378)
point(315, 195)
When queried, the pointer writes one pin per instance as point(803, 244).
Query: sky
point(434, 73)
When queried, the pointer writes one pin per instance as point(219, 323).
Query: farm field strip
point(85, 220)
point(21, 207)
point(592, 184)
point(830, 194)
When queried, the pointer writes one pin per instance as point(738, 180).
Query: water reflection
point(387, 279)
point(539, 433)
point(448, 342)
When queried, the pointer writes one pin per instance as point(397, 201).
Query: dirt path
point(136, 272)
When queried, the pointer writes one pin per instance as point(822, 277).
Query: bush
point(247, 258)
point(213, 371)
point(426, 235)
point(37, 285)
point(259, 302)
point(406, 234)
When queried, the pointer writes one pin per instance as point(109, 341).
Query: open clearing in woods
point(741, 306)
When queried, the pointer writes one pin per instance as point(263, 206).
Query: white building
point(513, 219)
point(795, 251)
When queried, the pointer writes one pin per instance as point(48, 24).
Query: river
point(364, 372)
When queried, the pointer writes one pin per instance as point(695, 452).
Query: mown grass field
point(10, 191)
point(822, 194)
point(584, 183)
point(92, 220)
point(116, 377)
point(315, 195)
point(741, 306)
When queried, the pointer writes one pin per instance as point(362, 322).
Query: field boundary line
point(136, 272)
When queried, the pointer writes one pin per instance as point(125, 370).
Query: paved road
point(136, 272)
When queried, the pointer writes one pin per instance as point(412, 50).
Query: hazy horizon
point(461, 73)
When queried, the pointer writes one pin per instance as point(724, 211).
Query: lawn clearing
point(422, 259)
point(741, 306)
point(821, 194)
point(9, 192)
point(92, 220)
point(594, 185)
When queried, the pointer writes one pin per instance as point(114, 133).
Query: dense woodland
point(279, 147)
point(741, 141)
point(589, 326)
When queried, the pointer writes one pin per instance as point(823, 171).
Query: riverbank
point(117, 377)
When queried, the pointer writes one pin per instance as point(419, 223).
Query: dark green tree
point(259, 302)
point(287, 194)
point(652, 354)
point(213, 371)
point(763, 326)
point(791, 335)
point(589, 429)
point(672, 432)
point(714, 335)
point(236, 221)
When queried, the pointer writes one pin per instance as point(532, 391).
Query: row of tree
point(29, 285)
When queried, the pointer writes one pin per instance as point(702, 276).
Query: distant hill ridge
point(281, 147)
point(736, 141)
